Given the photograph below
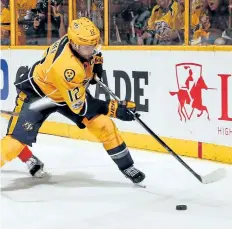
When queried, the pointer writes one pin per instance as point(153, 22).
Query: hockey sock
point(25, 154)
point(121, 156)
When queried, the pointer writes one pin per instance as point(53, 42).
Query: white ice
point(87, 191)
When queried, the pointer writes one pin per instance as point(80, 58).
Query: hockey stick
point(39, 104)
point(9, 113)
point(209, 178)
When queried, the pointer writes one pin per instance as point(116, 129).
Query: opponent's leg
point(105, 130)
point(25, 154)
point(22, 131)
point(34, 164)
point(10, 149)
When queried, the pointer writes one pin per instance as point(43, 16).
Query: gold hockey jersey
point(158, 15)
point(5, 18)
point(23, 5)
point(62, 76)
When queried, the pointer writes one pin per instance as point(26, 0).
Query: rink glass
point(40, 23)
point(93, 10)
point(5, 22)
point(116, 20)
point(129, 19)
point(210, 22)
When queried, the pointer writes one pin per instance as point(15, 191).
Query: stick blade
point(214, 176)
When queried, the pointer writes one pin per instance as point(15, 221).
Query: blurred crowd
point(162, 22)
point(38, 22)
point(131, 22)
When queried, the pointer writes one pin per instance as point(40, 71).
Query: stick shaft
point(151, 132)
point(9, 113)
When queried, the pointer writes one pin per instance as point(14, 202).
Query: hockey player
point(63, 75)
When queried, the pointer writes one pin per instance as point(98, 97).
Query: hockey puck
point(181, 207)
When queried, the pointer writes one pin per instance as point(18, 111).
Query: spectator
point(164, 23)
point(5, 23)
point(41, 21)
point(82, 8)
point(94, 10)
point(127, 20)
point(23, 8)
point(213, 22)
point(97, 13)
point(58, 12)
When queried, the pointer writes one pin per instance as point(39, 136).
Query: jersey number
point(73, 94)
point(92, 32)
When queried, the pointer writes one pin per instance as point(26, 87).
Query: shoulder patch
point(69, 74)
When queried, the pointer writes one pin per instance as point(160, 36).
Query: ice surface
point(87, 191)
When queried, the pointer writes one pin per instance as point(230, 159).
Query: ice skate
point(135, 175)
point(36, 167)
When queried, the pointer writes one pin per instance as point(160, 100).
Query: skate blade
point(140, 185)
point(42, 174)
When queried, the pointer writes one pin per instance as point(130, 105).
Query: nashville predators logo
point(69, 74)
point(75, 25)
point(28, 126)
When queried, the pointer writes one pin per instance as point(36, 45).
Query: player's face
point(86, 50)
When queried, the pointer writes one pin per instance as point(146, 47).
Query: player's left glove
point(97, 68)
point(121, 110)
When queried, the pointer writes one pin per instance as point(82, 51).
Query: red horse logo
point(189, 95)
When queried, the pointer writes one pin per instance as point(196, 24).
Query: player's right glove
point(121, 110)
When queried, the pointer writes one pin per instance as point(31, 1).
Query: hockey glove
point(97, 68)
point(121, 110)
